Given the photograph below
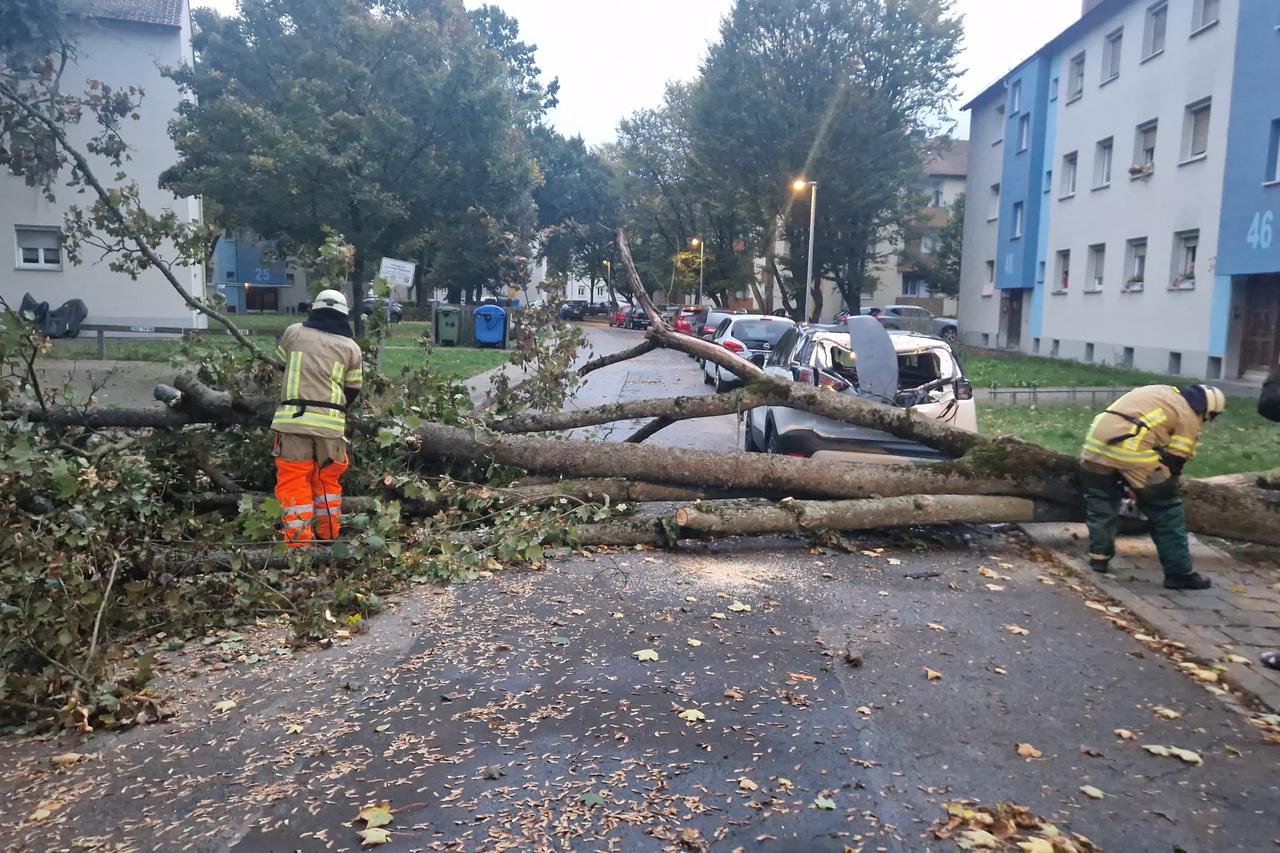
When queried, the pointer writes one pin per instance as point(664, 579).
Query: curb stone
point(1253, 680)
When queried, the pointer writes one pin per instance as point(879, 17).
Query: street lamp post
point(799, 186)
point(702, 262)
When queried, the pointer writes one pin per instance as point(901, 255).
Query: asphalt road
point(662, 373)
point(512, 713)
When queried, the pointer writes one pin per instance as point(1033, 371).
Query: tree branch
point(613, 358)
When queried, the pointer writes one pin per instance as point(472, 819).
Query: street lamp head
point(800, 185)
point(695, 242)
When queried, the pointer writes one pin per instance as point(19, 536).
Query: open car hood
point(876, 359)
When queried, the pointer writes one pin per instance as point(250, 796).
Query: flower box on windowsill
point(1182, 282)
point(1133, 285)
point(1136, 172)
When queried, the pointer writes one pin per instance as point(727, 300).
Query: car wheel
point(706, 377)
point(949, 334)
point(770, 438)
point(722, 384)
point(748, 437)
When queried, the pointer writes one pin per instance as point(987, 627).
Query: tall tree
point(837, 91)
point(394, 124)
point(944, 268)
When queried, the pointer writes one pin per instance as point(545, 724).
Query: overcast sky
point(614, 57)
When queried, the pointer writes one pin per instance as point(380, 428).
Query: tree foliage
point(395, 124)
point(944, 269)
point(842, 92)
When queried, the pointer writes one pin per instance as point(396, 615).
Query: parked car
point(707, 320)
point(618, 317)
point(683, 320)
point(574, 309)
point(372, 303)
point(904, 369)
point(636, 319)
point(910, 318)
point(748, 336)
point(597, 309)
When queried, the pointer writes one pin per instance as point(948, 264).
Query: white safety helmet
point(332, 299)
point(1216, 401)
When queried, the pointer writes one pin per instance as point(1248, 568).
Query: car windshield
point(760, 331)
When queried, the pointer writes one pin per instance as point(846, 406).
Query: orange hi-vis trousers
point(308, 489)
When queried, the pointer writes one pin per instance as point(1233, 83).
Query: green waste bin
point(447, 324)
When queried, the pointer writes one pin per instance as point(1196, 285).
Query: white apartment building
point(1103, 174)
point(125, 44)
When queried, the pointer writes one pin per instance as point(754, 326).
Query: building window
point(1015, 98)
point(989, 286)
point(1273, 153)
point(1097, 268)
point(1195, 133)
point(1175, 363)
point(1024, 132)
point(38, 248)
point(1144, 150)
point(1019, 214)
point(993, 212)
point(1048, 180)
point(937, 194)
point(928, 244)
point(1069, 165)
point(1126, 360)
point(1088, 352)
point(1062, 272)
point(1185, 246)
point(1053, 89)
point(1075, 82)
point(1055, 348)
point(914, 285)
point(1102, 160)
point(1157, 28)
point(1135, 265)
point(1206, 14)
point(1040, 273)
point(1111, 56)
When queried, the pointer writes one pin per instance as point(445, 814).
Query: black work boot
point(1102, 567)
point(1193, 580)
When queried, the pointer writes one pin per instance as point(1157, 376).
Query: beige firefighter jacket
point(1135, 430)
point(319, 366)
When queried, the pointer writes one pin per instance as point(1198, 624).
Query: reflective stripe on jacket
point(1140, 426)
point(319, 367)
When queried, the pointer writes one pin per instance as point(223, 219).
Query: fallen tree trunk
point(907, 511)
point(672, 409)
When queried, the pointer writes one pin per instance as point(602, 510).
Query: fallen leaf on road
point(746, 784)
point(739, 607)
point(66, 759)
point(978, 839)
point(1091, 792)
point(1156, 749)
point(377, 815)
point(692, 715)
point(1026, 750)
point(1091, 752)
point(784, 783)
point(645, 655)
point(825, 803)
point(293, 729)
point(224, 706)
point(1019, 631)
point(718, 615)
point(995, 587)
point(894, 561)
point(373, 836)
point(45, 811)
point(1036, 845)
point(382, 728)
point(864, 710)
point(1167, 713)
point(1240, 659)
point(1186, 755)
point(695, 643)
point(592, 800)
point(734, 694)
point(932, 674)
point(1124, 734)
point(1094, 605)
point(935, 626)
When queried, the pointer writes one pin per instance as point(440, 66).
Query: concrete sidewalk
point(1238, 618)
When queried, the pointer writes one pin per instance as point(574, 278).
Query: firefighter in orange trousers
point(322, 377)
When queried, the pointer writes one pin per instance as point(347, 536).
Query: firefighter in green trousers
point(1142, 441)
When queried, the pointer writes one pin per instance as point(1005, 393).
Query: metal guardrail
point(1034, 394)
point(103, 328)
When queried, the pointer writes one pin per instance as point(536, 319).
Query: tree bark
point(907, 511)
point(616, 357)
point(673, 409)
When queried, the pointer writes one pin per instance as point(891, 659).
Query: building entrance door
point(1012, 318)
point(1260, 343)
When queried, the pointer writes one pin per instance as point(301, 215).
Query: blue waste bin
point(491, 326)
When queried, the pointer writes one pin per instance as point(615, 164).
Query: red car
point(618, 317)
point(684, 320)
